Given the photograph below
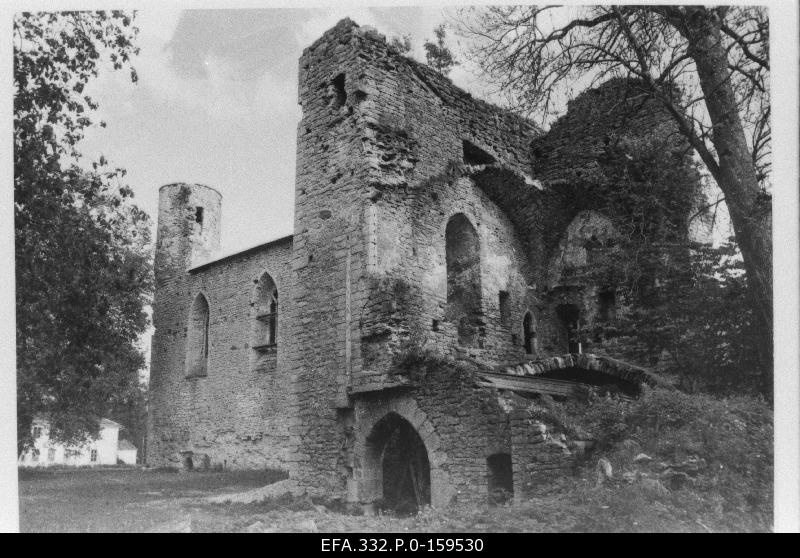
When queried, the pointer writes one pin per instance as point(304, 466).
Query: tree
point(708, 66)
point(130, 410)
point(437, 54)
point(402, 43)
point(701, 322)
point(83, 271)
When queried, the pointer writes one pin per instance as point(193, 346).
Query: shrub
point(732, 436)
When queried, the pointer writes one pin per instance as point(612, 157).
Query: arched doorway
point(397, 465)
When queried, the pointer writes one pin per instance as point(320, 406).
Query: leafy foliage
point(697, 323)
point(682, 305)
point(437, 54)
point(83, 267)
point(425, 366)
point(732, 436)
point(402, 43)
point(686, 303)
point(727, 440)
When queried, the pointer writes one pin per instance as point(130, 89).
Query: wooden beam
point(532, 384)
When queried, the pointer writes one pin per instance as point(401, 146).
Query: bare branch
point(743, 45)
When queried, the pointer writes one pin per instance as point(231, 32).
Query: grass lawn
point(577, 506)
point(120, 500)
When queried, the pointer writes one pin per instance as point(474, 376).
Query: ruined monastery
point(387, 350)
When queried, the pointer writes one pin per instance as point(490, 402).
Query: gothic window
point(463, 259)
point(197, 339)
point(266, 314)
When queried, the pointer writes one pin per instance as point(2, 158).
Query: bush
point(732, 437)
point(420, 365)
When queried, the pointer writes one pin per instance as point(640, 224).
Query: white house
point(126, 452)
point(101, 451)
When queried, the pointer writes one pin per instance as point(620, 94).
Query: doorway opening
point(398, 464)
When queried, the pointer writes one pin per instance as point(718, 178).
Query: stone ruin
point(385, 352)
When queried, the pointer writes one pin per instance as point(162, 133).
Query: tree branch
point(743, 45)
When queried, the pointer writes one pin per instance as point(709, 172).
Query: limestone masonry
point(386, 351)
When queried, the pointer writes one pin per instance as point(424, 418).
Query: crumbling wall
point(422, 139)
point(605, 165)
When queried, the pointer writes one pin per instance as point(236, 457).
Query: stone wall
point(460, 424)
point(421, 137)
point(240, 412)
point(537, 457)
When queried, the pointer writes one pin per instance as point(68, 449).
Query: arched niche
point(197, 342)
point(462, 254)
point(587, 236)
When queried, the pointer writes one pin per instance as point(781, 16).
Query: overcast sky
point(216, 103)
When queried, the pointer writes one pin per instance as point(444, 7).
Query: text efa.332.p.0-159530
point(402, 544)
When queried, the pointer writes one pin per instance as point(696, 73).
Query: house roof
point(41, 420)
point(105, 423)
point(244, 252)
point(125, 445)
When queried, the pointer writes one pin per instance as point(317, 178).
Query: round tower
point(188, 227)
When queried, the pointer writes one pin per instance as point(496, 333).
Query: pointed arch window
point(266, 314)
point(197, 342)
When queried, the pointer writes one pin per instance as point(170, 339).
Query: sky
point(216, 104)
